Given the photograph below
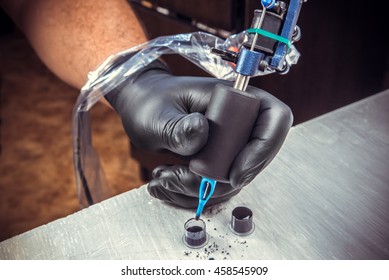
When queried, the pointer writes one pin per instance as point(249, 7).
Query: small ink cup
point(242, 221)
point(195, 235)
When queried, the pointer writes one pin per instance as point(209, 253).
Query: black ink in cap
point(242, 221)
point(195, 235)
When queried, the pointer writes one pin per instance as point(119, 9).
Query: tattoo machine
point(232, 111)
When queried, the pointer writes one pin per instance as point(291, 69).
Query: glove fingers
point(176, 184)
point(196, 93)
point(177, 179)
point(185, 134)
point(182, 126)
point(274, 118)
point(167, 185)
point(158, 170)
point(249, 163)
point(183, 200)
point(271, 128)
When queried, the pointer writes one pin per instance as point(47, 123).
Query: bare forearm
point(73, 37)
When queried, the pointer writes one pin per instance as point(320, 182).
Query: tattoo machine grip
point(231, 116)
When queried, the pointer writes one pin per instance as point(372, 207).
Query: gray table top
point(325, 196)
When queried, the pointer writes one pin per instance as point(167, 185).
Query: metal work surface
point(325, 196)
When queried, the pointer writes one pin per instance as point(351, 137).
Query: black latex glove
point(162, 112)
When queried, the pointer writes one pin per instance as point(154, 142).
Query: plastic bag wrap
point(196, 47)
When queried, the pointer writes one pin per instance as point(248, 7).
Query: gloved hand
point(161, 112)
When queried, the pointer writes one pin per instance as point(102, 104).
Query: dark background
point(344, 54)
